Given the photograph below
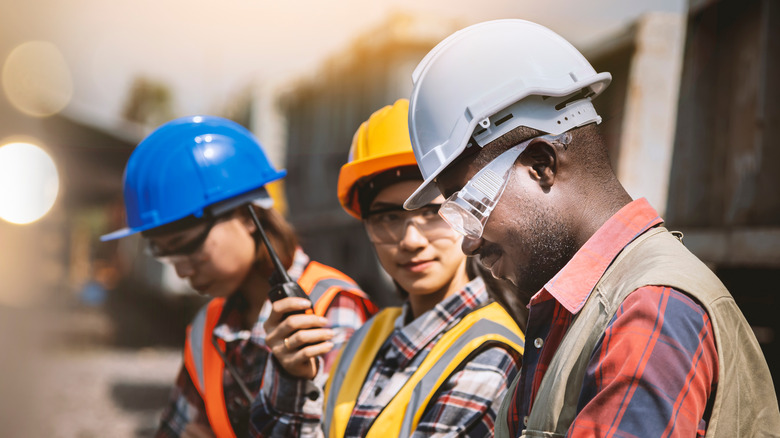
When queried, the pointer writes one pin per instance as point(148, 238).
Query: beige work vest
point(745, 403)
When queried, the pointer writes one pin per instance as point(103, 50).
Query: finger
point(304, 357)
point(311, 351)
point(311, 336)
point(291, 324)
point(284, 306)
point(297, 322)
point(292, 304)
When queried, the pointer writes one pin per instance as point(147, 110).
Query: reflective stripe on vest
point(340, 402)
point(322, 284)
point(205, 366)
point(487, 325)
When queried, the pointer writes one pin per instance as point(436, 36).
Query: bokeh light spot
point(29, 183)
point(36, 79)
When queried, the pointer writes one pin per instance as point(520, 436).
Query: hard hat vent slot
point(504, 119)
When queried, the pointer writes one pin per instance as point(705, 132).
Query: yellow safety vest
point(490, 324)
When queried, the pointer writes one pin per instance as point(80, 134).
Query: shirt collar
point(411, 338)
point(572, 285)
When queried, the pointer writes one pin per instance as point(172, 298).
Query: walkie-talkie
point(282, 286)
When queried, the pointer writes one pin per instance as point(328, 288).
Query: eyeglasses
point(388, 225)
point(468, 209)
point(184, 250)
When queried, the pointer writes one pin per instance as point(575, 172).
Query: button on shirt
point(655, 369)
point(467, 405)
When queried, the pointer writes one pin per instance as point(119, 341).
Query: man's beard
point(550, 245)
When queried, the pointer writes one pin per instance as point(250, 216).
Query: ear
point(541, 159)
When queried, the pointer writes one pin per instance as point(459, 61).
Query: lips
point(417, 265)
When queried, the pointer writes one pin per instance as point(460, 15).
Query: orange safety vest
point(204, 364)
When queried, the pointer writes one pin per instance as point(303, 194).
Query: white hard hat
point(487, 79)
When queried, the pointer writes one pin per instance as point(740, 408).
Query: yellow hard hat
point(380, 144)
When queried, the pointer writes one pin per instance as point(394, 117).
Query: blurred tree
point(149, 102)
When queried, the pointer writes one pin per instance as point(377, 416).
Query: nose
point(412, 238)
point(471, 245)
point(184, 267)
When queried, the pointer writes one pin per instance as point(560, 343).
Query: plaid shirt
point(466, 406)
point(246, 350)
point(655, 369)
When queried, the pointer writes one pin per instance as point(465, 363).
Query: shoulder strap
point(322, 283)
point(487, 325)
point(198, 336)
point(354, 361)
point(206, 367)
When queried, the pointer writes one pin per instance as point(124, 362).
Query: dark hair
point(367, 188)
point(280, 232)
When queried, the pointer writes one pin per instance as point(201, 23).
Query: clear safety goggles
point(389, 225)
point(468, 209)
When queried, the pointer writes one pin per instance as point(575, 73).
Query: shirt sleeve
point(291, 407)
point(653, 371)
point(469, 400)
point(185, 406)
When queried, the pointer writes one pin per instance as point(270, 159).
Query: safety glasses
point(468, 209)
point(388, 225)
point(188, 249)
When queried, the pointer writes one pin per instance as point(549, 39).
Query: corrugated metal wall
point(724, 189)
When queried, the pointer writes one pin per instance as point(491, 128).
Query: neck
point(255, 290)
point(603, 203)
point(421, 303)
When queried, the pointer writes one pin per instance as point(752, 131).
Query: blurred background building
point(94, 330)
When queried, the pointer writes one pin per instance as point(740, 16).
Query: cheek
point(386, 254)
point(508, 215)
point(232, 256)
point(450, 254)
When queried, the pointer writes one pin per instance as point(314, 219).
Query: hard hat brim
point(118, 234)
point(424, 194)
point(258, 196)
point(352, 172)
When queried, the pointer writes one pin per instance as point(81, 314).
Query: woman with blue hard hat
point(438, 365)
point(194, 188)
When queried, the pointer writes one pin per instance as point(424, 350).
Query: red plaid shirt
point(247, 352)
point(655, 370)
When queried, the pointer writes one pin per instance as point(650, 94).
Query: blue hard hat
point(190, 167)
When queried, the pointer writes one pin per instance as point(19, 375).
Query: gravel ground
point(65, 380)
point(105, 393)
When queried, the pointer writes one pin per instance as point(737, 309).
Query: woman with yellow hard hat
point(437, 365)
